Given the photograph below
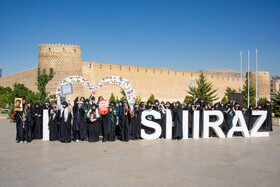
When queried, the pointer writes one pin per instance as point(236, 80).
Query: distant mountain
point(277, 77)
point(224, 72)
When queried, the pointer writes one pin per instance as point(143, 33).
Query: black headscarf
point(37, 110)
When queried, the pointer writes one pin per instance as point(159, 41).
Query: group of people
point(82, 121)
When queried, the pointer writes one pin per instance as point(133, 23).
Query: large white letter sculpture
point(185, 124)
point(46, 132)
point(258, 123)
point(215, 125)
point(238, 119)
point(168, 127)
point(196, 120)
point(150, 124)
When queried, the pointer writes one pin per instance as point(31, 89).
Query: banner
point(103, 106)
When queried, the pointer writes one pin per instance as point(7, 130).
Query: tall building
point(274, 86)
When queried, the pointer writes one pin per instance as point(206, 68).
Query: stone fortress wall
point(165, 84)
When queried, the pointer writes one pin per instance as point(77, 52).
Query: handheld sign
point(66, 89)
point(18, 104)
point(103, 106)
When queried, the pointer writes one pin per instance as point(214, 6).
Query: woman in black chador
point(20, 124)
point(28, 124)
point(268, 121)
point(189, 108)
point(53, 122)
point(65, 124)
point(230, 116)
point(124, 121)
point(178, 121)
point(137, 121)
point(79, 126)
point(110, 122)
point(38, 130)
point(93, 123)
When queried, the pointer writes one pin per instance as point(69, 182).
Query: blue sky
point(182, 35)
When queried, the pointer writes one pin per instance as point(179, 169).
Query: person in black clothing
point(18, 115)
point(125, 120)
point(137, 121)
point(65, 124)
point(47, 106)
point(79, 128)
point(149, 105)
point(178, 121)
point(156, 107)
point(54, 122)
point(93, 122)
point(28, 124)
point(38, 129)
point(230, 116)
point(110, 123)
point(268, 121)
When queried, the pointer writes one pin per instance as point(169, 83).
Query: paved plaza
point(212, 162)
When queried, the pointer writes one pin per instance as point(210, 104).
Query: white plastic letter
point(238, 119)
point(258, 123)
point(150, 124)
point(168, 128)
point(215, 125)
point(185, 124)
point(195, 124)
point(46, 132)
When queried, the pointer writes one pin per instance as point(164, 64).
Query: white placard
point(66, 89)
point(46, 131)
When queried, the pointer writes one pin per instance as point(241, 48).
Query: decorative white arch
point(109, 80)
point(121, 82)
point(76, 79)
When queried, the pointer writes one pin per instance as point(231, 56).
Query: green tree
point(224, 100)
point(276, 104)
point(117, 99)
point(262, 101)
point(252, 89)
point(188, 99)
point(226, 97)
point(112, 98)
point(152, 98)
point(4, 96)
point(52, 97)
point(33, 98)
point(123, 95)
point(42, 80)
point(229, 91)
point(138, 100)
point(204, 90)
point(19, 91)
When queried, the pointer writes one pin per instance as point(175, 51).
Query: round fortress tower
point(64, 59)
point(60, 56)
point(263, 83)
